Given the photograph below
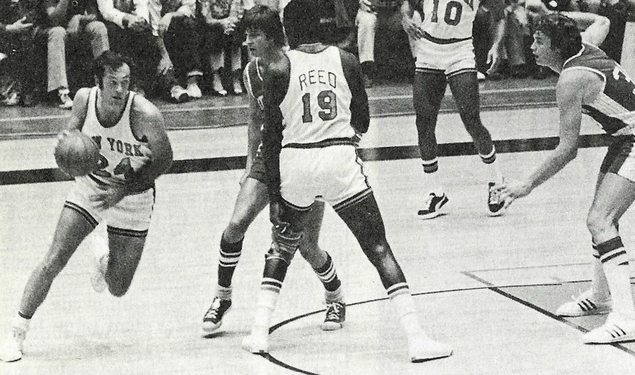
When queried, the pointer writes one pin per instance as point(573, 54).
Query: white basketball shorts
point(333, 174)
point(133, 212)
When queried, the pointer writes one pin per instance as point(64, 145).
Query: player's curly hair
point(111, 59)
point(267, 20)
point(562, 31)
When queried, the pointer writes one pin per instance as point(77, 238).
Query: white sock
point(264, 309)
point(616, 268)
point(334, 296)
point(224, 293)
point(494, 173)
point(599, 284)
point(21, 323)
point(619, 281)
point(405, 307)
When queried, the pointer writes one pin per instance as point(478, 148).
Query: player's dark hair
point(109, 59)
point(301, 20)
point(563, 32)
point(262, 18)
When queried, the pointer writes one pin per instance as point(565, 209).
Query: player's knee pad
point(284, 245)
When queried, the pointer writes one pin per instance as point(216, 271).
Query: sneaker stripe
point(618, 332)
point(586, 305)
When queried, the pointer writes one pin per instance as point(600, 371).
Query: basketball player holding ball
point(135, 150)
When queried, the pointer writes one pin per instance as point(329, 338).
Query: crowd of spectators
point(182, 49)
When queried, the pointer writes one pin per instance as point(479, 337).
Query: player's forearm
point(271, 156)
point(557, 160)
point(271, 146)
point(145, 176)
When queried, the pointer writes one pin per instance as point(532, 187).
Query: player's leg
point(324, 268)
point(464, 86)
point(126, 248)
point(128, 223)
point(613, 197)
point(73, 226)
point(597, 299)
point(428, 89)
point(361, 214)
point(285, 242)
point(251, 200)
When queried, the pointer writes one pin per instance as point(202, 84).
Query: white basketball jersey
point(121, 153)
point(316, 107)
point(448, 20)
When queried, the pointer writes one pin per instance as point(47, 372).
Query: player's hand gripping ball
point(76, 153)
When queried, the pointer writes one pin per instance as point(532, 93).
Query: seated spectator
point(518, 40)
point(372, 15)
point(617, 13)
point(223, 40)
point(84, 33)
point(133, 31)
point(181, 35)
point(345, 14)
point(24, 35)
point(490, 25)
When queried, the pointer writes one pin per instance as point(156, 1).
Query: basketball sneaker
point(434, 203)
point(98, 242)
point(193, 90)
point(495, 205)
point(11, 347)
point(616, 329)
point(64, 100)
point(584, 305)
point(423, 348)
point(213, 318)
point(335, 316)
point(257, 343)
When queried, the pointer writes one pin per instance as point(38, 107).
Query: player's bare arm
point(148, 124)
point(574, 88)
point(595, 27)
point(78, 114)
point(360, 115)
point(276, 86)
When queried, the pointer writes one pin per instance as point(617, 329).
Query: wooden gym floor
point(488, 286)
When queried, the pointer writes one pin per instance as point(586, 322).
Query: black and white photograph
point(332, 187)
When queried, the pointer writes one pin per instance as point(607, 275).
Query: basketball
point(76, 153)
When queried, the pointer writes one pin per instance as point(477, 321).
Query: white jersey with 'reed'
point(121, 153)
point(448, 20)
point(316, 107)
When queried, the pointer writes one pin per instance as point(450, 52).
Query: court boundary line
point(486, 286)
point(387, 153)
point(498, 290)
